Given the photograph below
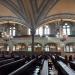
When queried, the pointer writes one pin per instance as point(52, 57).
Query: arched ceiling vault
point(31, 11)
point(34, 13)
point(58, 17)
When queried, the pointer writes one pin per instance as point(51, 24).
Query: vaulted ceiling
point(33, 13)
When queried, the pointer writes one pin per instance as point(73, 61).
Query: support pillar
point(10, 46)
point(33, 34)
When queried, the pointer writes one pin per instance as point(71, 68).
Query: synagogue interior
point(37, 37)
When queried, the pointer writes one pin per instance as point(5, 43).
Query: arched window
point(14, 48)
point(7, 48)
point(29, 48)
point(66, 29)
point(39, 31)
point(67, 49)
point(12, 31)
point(70, 47)
point(47, 48)
point(29, 31)
point(46, 30)
point(43, 30)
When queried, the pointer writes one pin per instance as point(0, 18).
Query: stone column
point(10, 46)
point(32, 34)
point(43, 30)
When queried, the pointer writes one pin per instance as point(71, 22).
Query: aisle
point(53, 71)
point(45, 68)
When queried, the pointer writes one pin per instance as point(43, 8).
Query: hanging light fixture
point(63, 37)
point(5, 35)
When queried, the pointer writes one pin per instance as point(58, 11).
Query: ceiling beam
point(22, 9)
point(47, 7)
point(34, 9)
point(50, 4)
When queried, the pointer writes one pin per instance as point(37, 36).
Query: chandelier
point(60, 34)
point(6, 36)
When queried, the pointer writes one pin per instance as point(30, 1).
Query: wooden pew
point(63, 69)
point(63, 59)
point(54, 60)
point(1, 58)
point(6, 61)
point(72, 64)
point(23, 69)
point(7, 56)
point(7, 68)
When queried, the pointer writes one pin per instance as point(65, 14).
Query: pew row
point(63, 69)
point(9, 67)
point(23, 69)
point(72, 64)
point(6, 61)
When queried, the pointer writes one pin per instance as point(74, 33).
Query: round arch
point(52, 47)
point(57, 17)
point(70, 47)
point(37, 47)
point(21, 46)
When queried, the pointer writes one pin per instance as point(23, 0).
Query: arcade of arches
point(47, 38)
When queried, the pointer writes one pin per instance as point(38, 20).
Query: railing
point(51, 35)
point(43, 40)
